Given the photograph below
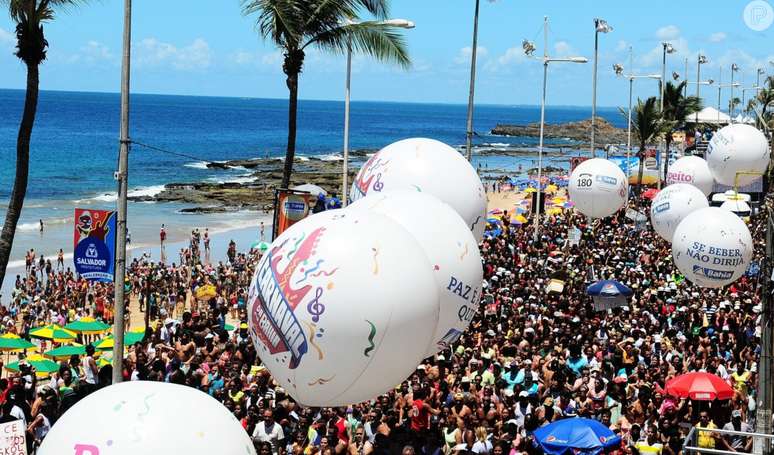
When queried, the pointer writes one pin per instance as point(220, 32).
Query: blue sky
point(205, 47)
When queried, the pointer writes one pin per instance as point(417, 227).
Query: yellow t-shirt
point(740, 381)
point(645, 448)
point(705, 439)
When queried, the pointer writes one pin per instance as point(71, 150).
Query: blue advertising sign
point(94, 244)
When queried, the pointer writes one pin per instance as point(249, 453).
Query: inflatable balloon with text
point(598, 188)
point(428, 166)
point(451, 249)
point(692, 170)
point(712, 247)
point(342, 306)
point(738, 154)
point(672, 204)
point(146, 417)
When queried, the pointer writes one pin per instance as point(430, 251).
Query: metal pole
point(664, 152)
point(720, 88)
point(536, 208)
point(629, 123)
point(123, 176)
point(685, 89)
point(763, 416)
point(345, 170)
point(698, 76)
point(594, 92)
point(731, 101)
point(474, 49)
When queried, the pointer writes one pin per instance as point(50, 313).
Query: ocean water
point(75, 148)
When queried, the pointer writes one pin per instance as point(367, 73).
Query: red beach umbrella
point(699, 386)
point(650, 193)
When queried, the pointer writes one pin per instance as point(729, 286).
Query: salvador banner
point(94, 244)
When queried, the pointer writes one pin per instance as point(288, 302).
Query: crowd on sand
point(530, 356)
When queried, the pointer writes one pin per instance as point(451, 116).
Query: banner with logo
point(94, 244)
point(13, 440)
point(576, 160)
point(290, 207)
point(632, 167)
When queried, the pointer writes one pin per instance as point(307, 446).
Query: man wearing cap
point(735, 442)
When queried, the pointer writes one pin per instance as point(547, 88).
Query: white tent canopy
point(709, 115)
point(745, 119)
point(310, 188)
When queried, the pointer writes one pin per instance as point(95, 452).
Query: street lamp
point(734, 69)
point(600, 26)
point(529, 50)
point(721, 87)
point(700, 61)
point(399, 23)
point(619, 71)
point(473, 55)
point(668, 49)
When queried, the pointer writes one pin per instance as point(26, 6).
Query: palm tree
point(765, 98)
point(31, 45)
point(677, 107)
point(648, 124)
point(328, 25)
point(733, 103)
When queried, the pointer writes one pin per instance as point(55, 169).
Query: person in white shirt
point(270, 431)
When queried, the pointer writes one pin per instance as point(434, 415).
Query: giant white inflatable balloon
point(712, 247)
point(672, 204)
point(145, 417)
point(452, 250)
point(598, 188)
point(341, 307)
point(692, 170)
point(738, 154)
point(428, 166)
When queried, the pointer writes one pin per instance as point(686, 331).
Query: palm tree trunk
point(292, 83)
point(641, 154)
point(19, 191)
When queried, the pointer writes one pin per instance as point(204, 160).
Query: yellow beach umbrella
point(205, 292)
point(53, 332)
point(530, 190)
point(554, 211)
point(552, 188)
point(520, 219)
point(558, 200)
point(12, 342)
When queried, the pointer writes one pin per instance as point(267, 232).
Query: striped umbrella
point(53, 332)
point(43, 366)
point(65, 352)
point(11, 342)
point(87, 326)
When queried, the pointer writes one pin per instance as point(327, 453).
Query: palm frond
point(381, 41)
point(277, 20)
point(380, 9)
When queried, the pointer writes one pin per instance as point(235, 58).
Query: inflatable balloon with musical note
point(341, 307)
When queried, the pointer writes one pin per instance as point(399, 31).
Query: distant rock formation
point(580, 131)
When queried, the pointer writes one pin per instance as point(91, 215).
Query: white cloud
point(621, 46)
point(153, 53)
point(272, 59)
point(563, 49)
point(717, 37)
point(512, 55)
point(94, 52)
point(242, 58)
point(668, 32)
point(463, 57)
point(7, 39)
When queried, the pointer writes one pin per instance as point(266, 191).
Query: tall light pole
point(699, 61)
point(529, 50)
point(398, 23)
point(600, 26)
point(734, 69)
point(471, 92)
point(758, 75)
point(122, 177)
point(720, 90)
point(619, 71)
point(667, 49)
point(685, 88)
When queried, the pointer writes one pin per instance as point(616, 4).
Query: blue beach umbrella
point(608, 288)
point(575, 435)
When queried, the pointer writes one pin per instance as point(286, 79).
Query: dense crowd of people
point(532, 355)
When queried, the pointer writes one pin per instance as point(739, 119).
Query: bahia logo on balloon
point(607, 180)
point(661, 207)
point(370, 174)
point(273, 298)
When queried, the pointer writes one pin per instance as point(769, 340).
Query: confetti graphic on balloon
point(119, 405)
point(371, 336)
point(314, 307)
point(145, 401)
point(321, 381)
point(312, 329)
point(309, 271)
point(295, 247)
point(464, 253)
point(376, 263)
